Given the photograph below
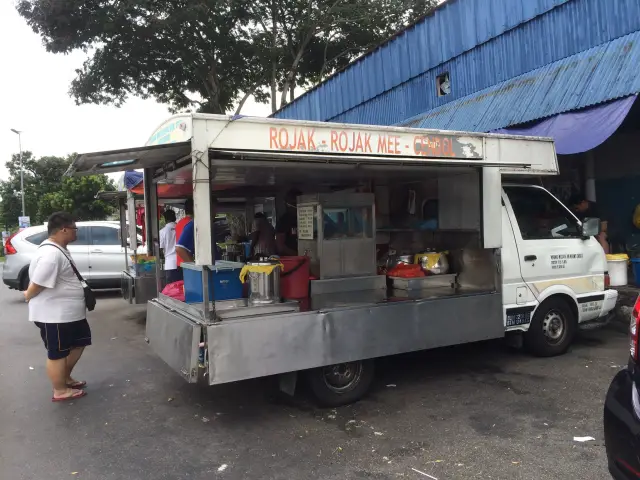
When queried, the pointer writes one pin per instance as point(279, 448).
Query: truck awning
point(128, 159)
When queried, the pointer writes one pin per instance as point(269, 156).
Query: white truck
point(523, 263)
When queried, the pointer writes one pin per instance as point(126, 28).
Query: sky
point(34, 99)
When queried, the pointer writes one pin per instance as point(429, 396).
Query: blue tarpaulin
point(132, 179)
point(579, 131)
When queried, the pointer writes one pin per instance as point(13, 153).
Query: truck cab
point(553, 269)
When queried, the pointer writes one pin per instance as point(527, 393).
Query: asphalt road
point(481, 411)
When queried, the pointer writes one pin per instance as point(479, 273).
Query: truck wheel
point(341, 384)
point(552, 329)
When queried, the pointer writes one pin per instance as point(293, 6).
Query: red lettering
point(359, 145)
point(447, 148)
point(382, 145)
point(343, 141)
point(311, 144)
point(301, 144)
point(396, 144)
point(353, 142)
point(436, 150)
point(367, 142)
point(334, 141)
point(294, 139)
point(273, 138)
point(283, 138)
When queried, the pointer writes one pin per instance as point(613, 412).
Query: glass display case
point(342, 243)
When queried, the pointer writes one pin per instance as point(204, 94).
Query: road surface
point(480, 411)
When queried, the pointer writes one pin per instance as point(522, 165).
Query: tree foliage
point(209, 55)
point(46, 190)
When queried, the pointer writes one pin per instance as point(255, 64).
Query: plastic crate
point(224, 281)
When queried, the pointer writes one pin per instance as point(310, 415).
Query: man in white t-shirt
point(57, 307)
point(168, 246)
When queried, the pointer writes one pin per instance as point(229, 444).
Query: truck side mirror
point(590, 227)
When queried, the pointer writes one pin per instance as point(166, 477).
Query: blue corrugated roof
point(364, 92)
point(596, 75)
point(454, 27)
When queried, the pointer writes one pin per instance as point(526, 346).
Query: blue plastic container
point(635, 263)
point(224, 281)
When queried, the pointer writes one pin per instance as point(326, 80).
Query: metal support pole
point(203, 211)
point(21, 175)
point(18, 132)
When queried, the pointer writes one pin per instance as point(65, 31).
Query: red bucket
point(294, 279)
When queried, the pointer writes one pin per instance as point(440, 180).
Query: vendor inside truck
point(583, 209)
point(185, 246)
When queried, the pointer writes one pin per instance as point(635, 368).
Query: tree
point(311, 39)
point(46, 190)
point(209, 55)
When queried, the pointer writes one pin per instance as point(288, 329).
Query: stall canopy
point(134, 182)
point(580, 131)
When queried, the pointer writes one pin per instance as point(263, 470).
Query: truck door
point(553, 255)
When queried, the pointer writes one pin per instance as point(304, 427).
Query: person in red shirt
point(188, 210)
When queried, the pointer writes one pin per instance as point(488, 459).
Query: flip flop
point(80, 394)
point(77, 385)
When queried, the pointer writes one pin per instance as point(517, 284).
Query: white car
point(97, 253)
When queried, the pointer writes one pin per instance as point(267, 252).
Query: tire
point(552, 329)
point(23, 283)
point(341, 384)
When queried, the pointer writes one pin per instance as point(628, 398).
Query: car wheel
point(552, 329)
point(24, 280)
point(342, 383)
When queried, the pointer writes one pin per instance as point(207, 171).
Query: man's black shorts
point(60, 338)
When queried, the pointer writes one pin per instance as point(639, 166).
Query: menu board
point(305, 223)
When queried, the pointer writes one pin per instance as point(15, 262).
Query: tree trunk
point(274, 62)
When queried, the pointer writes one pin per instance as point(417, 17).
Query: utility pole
point(21, 169)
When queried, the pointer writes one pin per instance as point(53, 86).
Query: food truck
point(415, 239)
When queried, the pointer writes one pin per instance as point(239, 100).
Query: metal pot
point(264, 288)
point(434, 263)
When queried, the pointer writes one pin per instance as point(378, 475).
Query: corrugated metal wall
point(606, 72)
point(371, 92)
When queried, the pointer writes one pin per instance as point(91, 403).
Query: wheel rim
point(342, 377)
point(554, 327)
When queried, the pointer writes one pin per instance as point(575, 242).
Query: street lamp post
point(21, 169)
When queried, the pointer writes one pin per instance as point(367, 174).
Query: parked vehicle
point(97, 253)
point(622, 412)
point(521, 263)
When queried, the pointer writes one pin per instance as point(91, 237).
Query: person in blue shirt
point(186, 249)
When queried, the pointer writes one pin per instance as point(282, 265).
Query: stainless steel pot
point(264, 289)
point(434, 263)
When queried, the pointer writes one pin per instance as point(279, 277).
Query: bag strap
point(73, 266)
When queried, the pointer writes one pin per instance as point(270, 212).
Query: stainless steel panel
point(358, 257)
point(257, 310)
point(330, 259)
point(421, 283)
point(145, 289)
point(175, 339)
point(249, 348)
point(348, 299)
point(491, 207)
point(353, 284)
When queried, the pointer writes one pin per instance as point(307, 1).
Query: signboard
point(24, 222)
point(355, 142)
point(176, 129)
point(305, 223)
